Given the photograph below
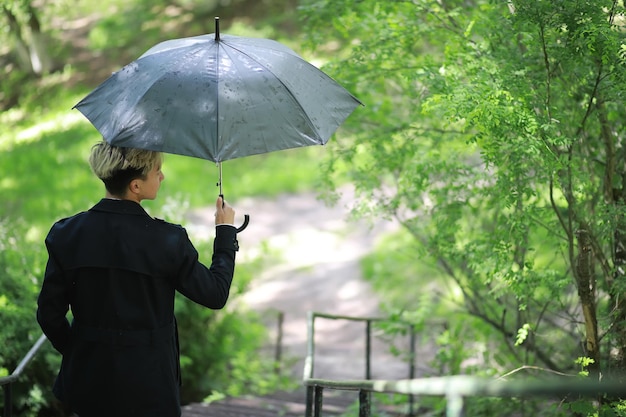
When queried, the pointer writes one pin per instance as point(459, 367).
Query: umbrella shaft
point(219, 166)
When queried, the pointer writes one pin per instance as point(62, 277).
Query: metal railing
point(455, 389)
point(315, 386)
point(7, 381)
point(309, 364)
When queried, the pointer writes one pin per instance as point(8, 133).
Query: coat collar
point(120, 207)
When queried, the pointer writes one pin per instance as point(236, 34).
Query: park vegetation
point(491, 132)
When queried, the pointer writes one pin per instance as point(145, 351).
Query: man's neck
point(120, 197)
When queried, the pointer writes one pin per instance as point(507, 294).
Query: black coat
point(118, 269)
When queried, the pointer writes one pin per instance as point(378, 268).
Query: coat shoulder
point(66, 222)
point(170, 226)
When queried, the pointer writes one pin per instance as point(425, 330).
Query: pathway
point(320, 272)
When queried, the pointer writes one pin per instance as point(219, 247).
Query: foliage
point(20, 266)
point(94, 38)
point(492, 133)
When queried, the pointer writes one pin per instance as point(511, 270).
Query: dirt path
point(319, 271)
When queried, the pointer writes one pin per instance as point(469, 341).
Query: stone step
point(283, 404)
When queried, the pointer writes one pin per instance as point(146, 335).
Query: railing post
point(279, 344)
point(319, 398)
point(8, 400)
point(309, 401)
point(364, 403)
point(411, 366)
point(310, 360)
point(454, 407)
point(368, 348)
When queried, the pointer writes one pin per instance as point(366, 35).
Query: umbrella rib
point(304, 113)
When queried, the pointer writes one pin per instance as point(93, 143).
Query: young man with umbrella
point(118, 270)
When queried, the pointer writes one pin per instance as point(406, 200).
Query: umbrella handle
point(246, 218)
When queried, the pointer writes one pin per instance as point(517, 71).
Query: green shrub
point(20, 266)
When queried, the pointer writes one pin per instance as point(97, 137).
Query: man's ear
point(134, 186)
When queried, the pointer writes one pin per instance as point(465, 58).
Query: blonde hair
point(106, 159)
point(117, 166)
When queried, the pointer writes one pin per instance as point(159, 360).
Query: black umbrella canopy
point(218, 97)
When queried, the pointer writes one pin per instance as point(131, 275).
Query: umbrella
point(218, 97)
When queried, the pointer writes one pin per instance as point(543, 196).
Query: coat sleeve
point(53, 304)
point(209, 287)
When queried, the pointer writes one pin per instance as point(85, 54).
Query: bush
point(20, 262)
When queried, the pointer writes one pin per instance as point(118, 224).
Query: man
point(118, 269)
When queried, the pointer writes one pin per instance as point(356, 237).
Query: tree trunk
point(32, 54)
point(40, 60)
point(587, 294)
point(615, 195)
point(618, 289)
point(21, 47)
